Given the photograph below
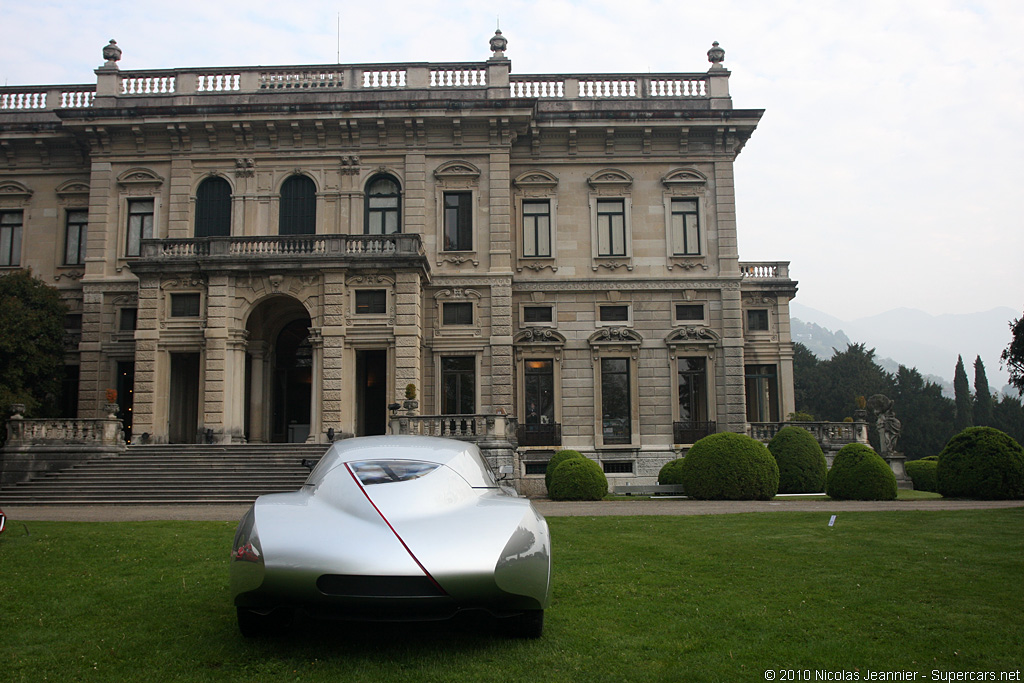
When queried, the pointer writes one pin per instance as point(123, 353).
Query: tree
point(964, 416)
point(1013, 355)
point(982, 396)
point(926, 414)
point(31, 343)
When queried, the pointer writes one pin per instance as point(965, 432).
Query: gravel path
point(672, 506)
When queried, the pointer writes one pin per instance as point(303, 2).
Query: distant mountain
point(917, 339)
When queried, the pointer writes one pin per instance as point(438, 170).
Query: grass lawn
point(712, 598)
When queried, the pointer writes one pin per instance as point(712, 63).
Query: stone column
point(147, 335)
point(234, 386)
point(316, 341)
point(214, 379)
point(332, 346)
point(258, 392)
point(408, 333)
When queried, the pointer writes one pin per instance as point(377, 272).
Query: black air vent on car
point(348, 585)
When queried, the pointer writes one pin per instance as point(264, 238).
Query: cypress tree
point(964, 416)
point(982, 396)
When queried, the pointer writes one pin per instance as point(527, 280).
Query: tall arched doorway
point(279, 372)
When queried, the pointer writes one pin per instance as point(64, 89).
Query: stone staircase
point(171, 474)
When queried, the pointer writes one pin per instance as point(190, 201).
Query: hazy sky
point(888, 167)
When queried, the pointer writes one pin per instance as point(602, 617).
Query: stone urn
point(111, 409)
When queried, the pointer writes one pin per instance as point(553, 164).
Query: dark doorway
point(126, 395)
point(183, 416)
point(372, 392)
point(293, 383)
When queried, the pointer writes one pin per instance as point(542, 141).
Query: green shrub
point(802, 466)
point(578, 479)
point(729, 466)
point(924, 473)
point(556, 460)
point(858, 473)
point(982, 462)
point(671, 472)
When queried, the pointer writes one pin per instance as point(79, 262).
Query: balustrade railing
point(97, 432)
point(355, 77)
point(773, 270)
point(271, 247)
point(828, 434)
point(476, 428)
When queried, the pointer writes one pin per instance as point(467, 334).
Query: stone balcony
point(311, 251)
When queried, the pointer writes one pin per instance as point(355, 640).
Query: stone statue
point(889, 428)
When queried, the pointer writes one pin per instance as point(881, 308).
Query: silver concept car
point(393, 528)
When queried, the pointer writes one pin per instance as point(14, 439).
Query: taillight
point(390, 471)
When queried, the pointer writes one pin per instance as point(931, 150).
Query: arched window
point(383, 206)
point(298, 206)
point(213, 208)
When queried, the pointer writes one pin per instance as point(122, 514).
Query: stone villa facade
point(274, 254)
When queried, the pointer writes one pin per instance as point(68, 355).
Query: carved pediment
point(139, 177)
point(692, 334)
point(457, 294)
point(370, 280)
point(457, 170)
point(684, 177)
point(540, 335)
point(73, 189)
point(13, 193)
point(610, 178)
point(615, 335)
point(536, 179)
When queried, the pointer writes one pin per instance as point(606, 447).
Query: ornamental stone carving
point(111, 54)
point(716, 56)
point(498, 44)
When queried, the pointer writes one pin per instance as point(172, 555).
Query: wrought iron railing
point(692, 432)
point(549, 434)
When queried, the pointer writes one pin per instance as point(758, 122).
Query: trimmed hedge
point(924, 473)
point(982, 462)
point(556, 460)
point(728, 466)
point(858, 473)
point(802, 466)
point(671, 472)
point(578, 479)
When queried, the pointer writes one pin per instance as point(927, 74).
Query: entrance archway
point(279, 372)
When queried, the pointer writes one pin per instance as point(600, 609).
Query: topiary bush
point(729, 466)
point(924, 473)
point(858, 473)
point(671, 472)
point(556, 460)
point(578, 479)
point(802, 466)
point(982, 462)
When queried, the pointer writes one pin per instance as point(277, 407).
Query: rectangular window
point(618, 467)
point(460, 313)
point(685, 228)
point(74, 237)
point(537, 314)
point(762, 392)
point(458, 385)
point(73, 322)
point(185, 305)
point(458, 221)
point(693, 381)
point(10, 237)
point(536, 468)
point(140, 225)
point(757, 320)
point(129, 319)
point(537, 228)
point(371, 301)
point(539, 390)
point(690, 312)
point(611, 227)
point(616, 407)
point(613, 314)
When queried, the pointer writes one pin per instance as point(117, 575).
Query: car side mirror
point(505, 469)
